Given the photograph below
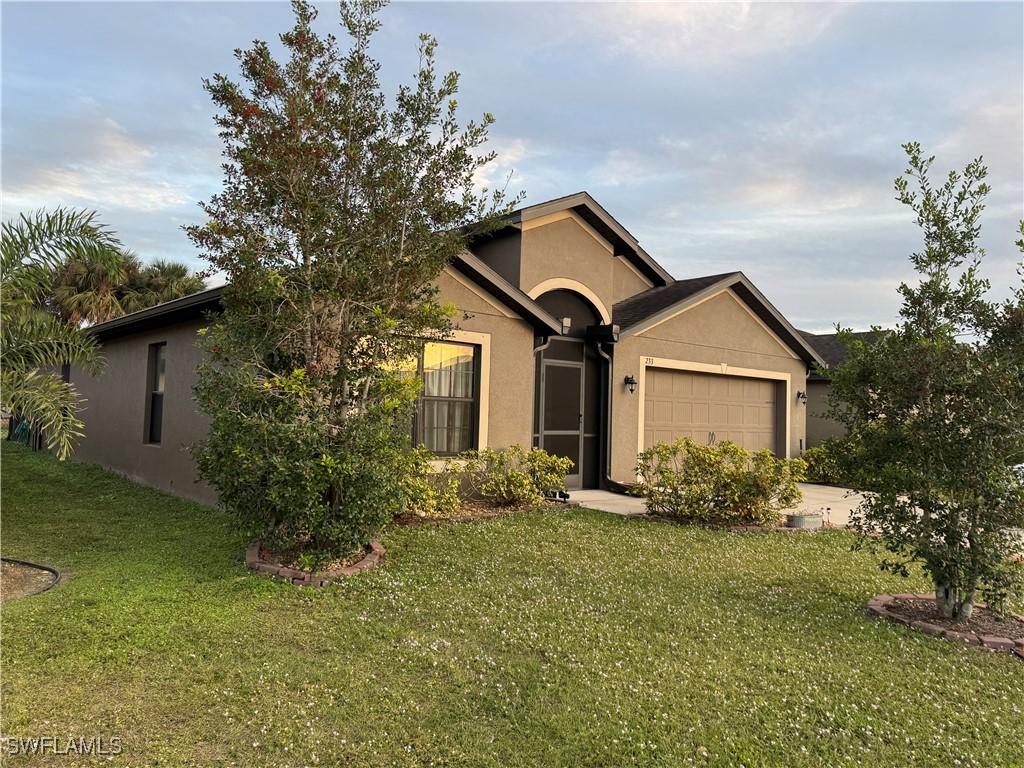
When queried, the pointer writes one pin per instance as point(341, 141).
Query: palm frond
point(31, 338)
point(34, 247)
point(48, 403)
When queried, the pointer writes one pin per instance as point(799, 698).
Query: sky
point(763, 137)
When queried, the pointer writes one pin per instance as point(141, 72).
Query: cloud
point(710, 35)
point(98, 165)
point(502, 169)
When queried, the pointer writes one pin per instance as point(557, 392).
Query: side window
point(156, 373)
point(449, 406)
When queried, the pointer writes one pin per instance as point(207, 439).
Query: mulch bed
point(983, 621)
point(349, 566)
point(289, 558)
point(21, 580)
point(985, 628)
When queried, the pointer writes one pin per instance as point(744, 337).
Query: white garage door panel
point(705, 405)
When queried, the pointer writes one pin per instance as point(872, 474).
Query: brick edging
point(374, 554)
point(878, 606)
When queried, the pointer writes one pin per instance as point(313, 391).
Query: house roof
point(196, 304)
point(177, 310)
point(502, 289)
point(636, 309)
point(657, 304)
point(831, 350)
point(588, 209)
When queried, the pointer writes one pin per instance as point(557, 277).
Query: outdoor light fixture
point(566, 325)
point(630, 383)
point(801, 397)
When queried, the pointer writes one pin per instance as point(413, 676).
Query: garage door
point(707, 407)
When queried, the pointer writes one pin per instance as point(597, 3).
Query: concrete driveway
point(835, 503)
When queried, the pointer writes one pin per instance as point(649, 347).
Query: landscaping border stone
point(878, 607)
point(374, 554)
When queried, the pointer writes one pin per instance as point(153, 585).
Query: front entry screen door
point(562, 419)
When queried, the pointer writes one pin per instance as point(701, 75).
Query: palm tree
point(86, 290)
point(89, 292)
point(164, 280)
point(35, 342)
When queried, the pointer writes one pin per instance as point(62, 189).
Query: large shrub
point(830, 462)
point(513, 476)
point(339, 209)
point(722, 484)
point(294, 477)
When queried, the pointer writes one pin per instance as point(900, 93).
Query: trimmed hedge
point(722, 484)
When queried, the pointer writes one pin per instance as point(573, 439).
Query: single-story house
point(571, 337)
point(820, 426)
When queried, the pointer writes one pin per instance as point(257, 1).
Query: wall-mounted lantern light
point(801, 397)
point(630, 383)
point(566, 325)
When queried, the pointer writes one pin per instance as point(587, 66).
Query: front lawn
point(569, 638)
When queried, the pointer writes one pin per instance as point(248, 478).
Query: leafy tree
point(338, 212)
point(34, 343)
point(936, 406)
point(91, 292)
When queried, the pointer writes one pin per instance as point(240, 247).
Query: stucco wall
point(716, 331)
point(565, 249)
point(115, 412)
point(626, 282)
point(510, 402)
point(819, 426)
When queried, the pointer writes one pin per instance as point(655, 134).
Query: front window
point(446, 416)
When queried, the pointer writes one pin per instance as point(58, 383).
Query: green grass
point(554, 638)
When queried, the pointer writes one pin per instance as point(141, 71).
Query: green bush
point(293, 476)
point(431, 490)
point(722, 484)
point(513, 476)
point(828, 463)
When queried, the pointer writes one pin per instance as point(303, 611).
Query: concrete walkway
point(836, 503)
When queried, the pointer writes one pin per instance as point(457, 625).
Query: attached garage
point(712, 407)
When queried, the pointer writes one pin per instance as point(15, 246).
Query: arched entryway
point(567, 390)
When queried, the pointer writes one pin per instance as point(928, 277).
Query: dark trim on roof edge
point(753, 298)
point(502, 289)
point(178, 310)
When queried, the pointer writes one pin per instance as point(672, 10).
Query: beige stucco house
point(571, 338)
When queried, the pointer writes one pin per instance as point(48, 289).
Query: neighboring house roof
point(658, 304)
point(588, 209)
point(831, 350)
point(196, 304)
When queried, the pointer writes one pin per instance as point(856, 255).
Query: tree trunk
point(956, 604)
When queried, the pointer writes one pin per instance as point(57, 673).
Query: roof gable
point(603, 224)
point(657, 305)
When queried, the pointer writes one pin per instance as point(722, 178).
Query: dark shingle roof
point(638, 308)
point(829, 347)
